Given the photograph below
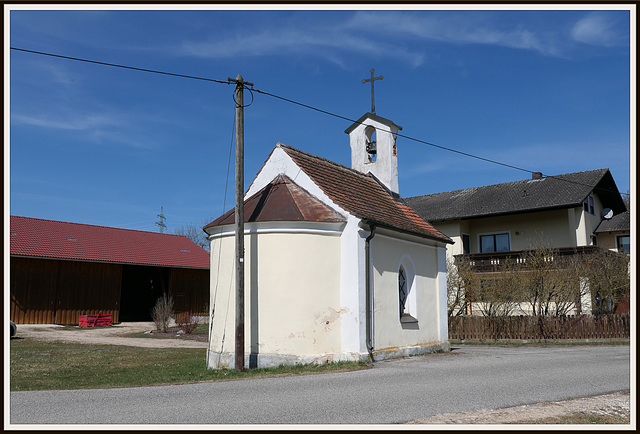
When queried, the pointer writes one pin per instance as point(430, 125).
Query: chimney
point(536, 175)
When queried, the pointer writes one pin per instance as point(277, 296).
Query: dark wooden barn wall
point(33, 290)
point(46, 291)
point(190, 291)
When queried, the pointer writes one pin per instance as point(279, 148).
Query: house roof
point(32, 237)
point(281, 200)
point(618, 223)
point(362, 195)
point(552, 192)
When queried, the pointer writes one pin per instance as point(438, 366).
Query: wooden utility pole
point(239, 226)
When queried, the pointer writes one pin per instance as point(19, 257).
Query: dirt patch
point(177, 333)
point(118, 334)
point(614, 404)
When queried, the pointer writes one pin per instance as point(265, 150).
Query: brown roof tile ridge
point(408, 210)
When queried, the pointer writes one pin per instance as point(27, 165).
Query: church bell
point(371, 147)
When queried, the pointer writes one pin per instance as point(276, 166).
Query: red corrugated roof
point(63, 240)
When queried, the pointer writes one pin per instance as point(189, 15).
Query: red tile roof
point(281, 200)
point(63, 240)
point(363, 195)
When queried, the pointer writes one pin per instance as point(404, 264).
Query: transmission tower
point(160, 222)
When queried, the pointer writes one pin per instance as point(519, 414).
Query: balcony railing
point(484, 262)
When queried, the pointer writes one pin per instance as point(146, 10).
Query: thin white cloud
point(599, 28)
point(75, 122)
point(385, 33)
point(319, 41)
point(95, 128)
point(467, 28)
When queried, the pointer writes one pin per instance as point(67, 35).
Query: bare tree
point(195, 233)
point(542, 280)
point(626, 198)
point(607, 275)
point(496, 293)
point(569, 291)
point(550, 283)
point(459, 278)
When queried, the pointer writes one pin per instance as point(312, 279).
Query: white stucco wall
point(291, 316)
point(428, 262)
point(352, 288)
point(385, 167)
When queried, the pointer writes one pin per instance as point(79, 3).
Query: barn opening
point(141, 287)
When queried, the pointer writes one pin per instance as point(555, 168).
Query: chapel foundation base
point(413, 350)
point(218, 360)
point(225, 360)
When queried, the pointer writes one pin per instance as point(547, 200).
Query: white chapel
point(337, 265)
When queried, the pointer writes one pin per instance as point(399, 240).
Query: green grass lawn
point(39, 365)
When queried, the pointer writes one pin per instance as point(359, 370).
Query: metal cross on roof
point(372, 79)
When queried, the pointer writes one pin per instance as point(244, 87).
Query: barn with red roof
point(61, 270)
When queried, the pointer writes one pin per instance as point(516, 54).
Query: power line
point(433, 144)
point(299, 104)
point(115, 65)
point(399, 135)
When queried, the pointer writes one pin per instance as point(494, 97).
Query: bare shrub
point(188, 323)
point(540, 282)
point(460, 277)
point(497, 293)
point(492, 293)
point(162, 313)
point(607, 276)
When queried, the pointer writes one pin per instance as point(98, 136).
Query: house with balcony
point(566, 212)
point(571, 213)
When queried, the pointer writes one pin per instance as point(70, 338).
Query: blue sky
point(545, 90)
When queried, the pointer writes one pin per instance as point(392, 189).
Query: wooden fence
point(539, 328)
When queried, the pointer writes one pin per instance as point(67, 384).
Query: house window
point(466, 243)
point(623, 243)
point(588, 205)
point(494, 243)
point(407, 302)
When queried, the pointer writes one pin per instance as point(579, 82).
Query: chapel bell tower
point(373, 148)
point(373, 144)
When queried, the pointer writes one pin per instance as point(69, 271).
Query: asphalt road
point(469, 378)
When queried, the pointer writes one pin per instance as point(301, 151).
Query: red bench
point(95, 320)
